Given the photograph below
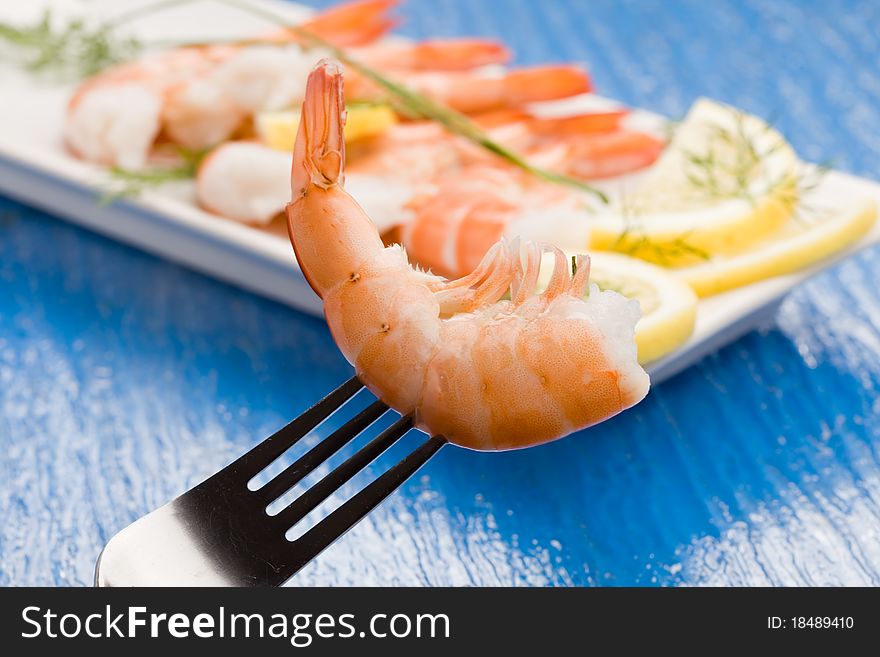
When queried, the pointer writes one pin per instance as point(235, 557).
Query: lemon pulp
point(363, 120)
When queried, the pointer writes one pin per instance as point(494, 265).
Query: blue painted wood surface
point(125, 379)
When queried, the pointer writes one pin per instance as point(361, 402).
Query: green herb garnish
point(717, 179)
point(633, 240)
point(75, 50)
point(128, 183)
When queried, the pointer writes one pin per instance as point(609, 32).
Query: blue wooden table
point(125, 379)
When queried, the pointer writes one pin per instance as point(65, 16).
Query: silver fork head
point(220, 533)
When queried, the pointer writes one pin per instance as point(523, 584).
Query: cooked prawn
point(243, 180)
point(454, 226)
point(599, 155)
point(485, 372)
point(473, 92)
point(114, 118)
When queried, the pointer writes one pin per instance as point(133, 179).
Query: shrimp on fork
point(486, 372)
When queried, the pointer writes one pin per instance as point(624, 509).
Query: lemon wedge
point(724, 182)
point(669, 306)
point(800, 243)
point(278, 129)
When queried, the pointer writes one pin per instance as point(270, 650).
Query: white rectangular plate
point(35, 168)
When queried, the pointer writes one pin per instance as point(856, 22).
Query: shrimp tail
point(603, 155)
point(437, 55)
point(331, 235)
point(546, 83)
point(458, 54)
point(578, 124)
point(354, 23)
point(319, 150)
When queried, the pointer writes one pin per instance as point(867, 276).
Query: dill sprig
point(73, 50)
point(128, 183)
point(77, 48)
point(633, 240)
point(667, 253)
point(716, 178)
point(805, 210)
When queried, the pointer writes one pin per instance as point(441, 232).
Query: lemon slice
point(800, 243)
point(725, 181)
point(669, 306)
point(278, 129)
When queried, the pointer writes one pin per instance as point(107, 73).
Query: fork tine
point(299, 469)
point(316, 539)
point(249, 464)
point(306, 503)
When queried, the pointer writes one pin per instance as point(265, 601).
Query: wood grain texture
point(125, 379)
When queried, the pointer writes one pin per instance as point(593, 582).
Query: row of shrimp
point(200, 96)
point(481, 359)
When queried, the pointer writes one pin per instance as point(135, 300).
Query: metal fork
point(219, 533)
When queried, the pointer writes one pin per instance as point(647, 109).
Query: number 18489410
point(810, 623)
